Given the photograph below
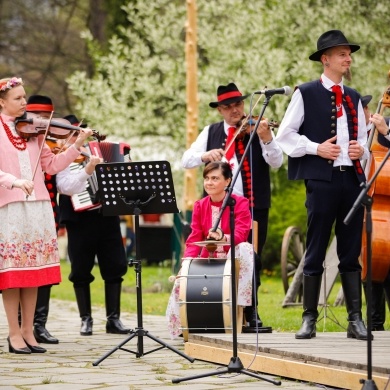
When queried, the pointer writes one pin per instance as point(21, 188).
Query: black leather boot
point(311, 295)
point(83, 298)
point(41, 334)
point(352, 287)
point(251, 315)
point(378, 305)
point(113, 304)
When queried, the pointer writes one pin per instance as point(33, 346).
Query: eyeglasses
point(231, 106)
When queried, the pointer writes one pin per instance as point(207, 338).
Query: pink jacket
point(202, 223)
point(10, 166)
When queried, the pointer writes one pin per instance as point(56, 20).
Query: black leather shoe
point(35, 348)
point(43, 336)
point(11, 349)
point(115, 326)
point(252, 317)
point(86, 326)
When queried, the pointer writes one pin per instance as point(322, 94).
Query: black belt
point(343, 168)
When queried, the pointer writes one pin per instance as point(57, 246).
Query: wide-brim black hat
point(74, 121)
point(331, 39)
point(39, 103)
point(365, 100)
point(227, 94)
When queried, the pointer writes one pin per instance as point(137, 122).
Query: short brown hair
point(223, 166)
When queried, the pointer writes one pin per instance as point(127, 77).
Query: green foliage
point(138, 92)
point(155, 288)
point(154, 300)
point(139, 85)
point(288, 209)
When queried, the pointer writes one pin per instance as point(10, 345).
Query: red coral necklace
point(18, 142)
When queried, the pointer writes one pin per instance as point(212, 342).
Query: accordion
point(109, 152)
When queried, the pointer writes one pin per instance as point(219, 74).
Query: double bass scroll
point(380, 193)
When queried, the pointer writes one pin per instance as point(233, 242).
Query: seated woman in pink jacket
point(28, 240)
point(216, 177)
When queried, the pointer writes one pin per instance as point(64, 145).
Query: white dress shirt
point(71, 183)
point(192, 157)
point(296, 145)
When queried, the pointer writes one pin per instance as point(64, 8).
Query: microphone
point(278, 91)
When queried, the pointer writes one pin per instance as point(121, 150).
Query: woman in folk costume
point(217, 177)
point(28, 241)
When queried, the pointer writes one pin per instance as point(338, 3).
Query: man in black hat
point(253, 182)
point(324, 134)
point(92, 235)
point(43, 106)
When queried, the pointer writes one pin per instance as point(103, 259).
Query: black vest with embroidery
point(50, 183)
point(320, 124)
point(258, 170)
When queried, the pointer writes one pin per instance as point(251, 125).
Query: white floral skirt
point(28, 245)
point(244, 254)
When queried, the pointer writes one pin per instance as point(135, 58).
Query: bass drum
point(205, 297)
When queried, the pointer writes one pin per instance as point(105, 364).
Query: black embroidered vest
point(254, 171)
point(320, 103)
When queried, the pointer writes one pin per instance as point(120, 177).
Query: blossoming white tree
point(138, 91)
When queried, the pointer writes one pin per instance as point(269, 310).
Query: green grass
point(156, 289)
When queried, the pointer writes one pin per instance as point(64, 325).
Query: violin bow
point(41, 148)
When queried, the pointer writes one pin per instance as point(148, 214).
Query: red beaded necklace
point(18, 142)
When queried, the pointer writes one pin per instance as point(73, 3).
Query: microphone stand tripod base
point(368, 384)
point(235, 366)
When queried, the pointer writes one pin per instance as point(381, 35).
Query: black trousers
point(328, 203)
point(95, 235)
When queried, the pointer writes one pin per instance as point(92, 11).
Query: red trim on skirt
point(22, 278)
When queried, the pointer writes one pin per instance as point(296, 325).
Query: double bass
point(380, 193)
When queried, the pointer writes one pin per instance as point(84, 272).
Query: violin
point(53, 144)
point(32, 125)
point(56, 147)
point(246, 125)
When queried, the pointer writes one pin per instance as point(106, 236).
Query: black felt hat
point(330, 39)
point(39, 103)
point(227, 94)
point(365, 100)
point(74, 121)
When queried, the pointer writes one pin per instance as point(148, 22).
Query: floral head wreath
point(11, 83)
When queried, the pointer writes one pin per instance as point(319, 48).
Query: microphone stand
point(366, 200)
point(235, 365)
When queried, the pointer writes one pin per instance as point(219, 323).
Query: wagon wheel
point(293, 247)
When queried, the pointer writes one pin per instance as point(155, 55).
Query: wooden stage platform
point(329, 359)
